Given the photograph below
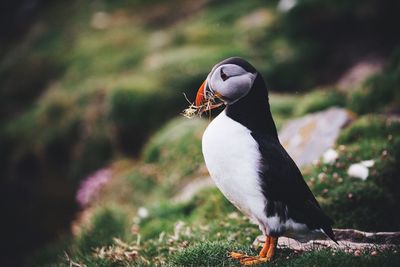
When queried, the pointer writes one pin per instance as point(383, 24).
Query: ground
point(100, 87)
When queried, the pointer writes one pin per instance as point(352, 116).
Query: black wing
point(285, 189)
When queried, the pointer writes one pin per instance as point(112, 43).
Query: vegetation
point(101, 86)
point(379, 94)
point(368, 204)
point(202, 230)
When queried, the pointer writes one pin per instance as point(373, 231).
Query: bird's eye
point(224, 77)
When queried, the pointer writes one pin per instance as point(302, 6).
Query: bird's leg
point(244, 257)
point(264, 250)
point(241, 256)
point(263, 253)
point(266, 253)
point(272, 247)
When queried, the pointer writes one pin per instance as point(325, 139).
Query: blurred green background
point(88, 84)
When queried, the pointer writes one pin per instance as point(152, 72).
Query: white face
point(231, 81)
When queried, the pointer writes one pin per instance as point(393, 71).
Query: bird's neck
point(253, 110)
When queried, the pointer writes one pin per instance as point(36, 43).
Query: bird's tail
point(329, 232)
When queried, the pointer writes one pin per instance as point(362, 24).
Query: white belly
point(232, 158)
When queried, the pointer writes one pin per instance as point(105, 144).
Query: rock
point(360, 170)
point(307, 138)
point(359, 73)
point(367, 237)
point(192, 188)
point(286, 5)
point(330, 156)
point(349, 240)
point(100, 20)
point(259, 18)
point(368, 163)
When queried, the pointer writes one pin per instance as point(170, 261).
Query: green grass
point(352, 203)
point(203, 230)
point(207, 254)
point(90, 97)
point(106, 224)
point(380, 93)
point(176, 151)
point(137, 75)
point(288, 106)
point(319, 100)
point(214, 254)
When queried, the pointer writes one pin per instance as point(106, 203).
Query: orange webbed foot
point(266, 253)
point(237, 255)
point(254, 260)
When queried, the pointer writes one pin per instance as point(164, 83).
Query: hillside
point(98, 86)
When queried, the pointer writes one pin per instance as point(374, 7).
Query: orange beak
point(200, 97)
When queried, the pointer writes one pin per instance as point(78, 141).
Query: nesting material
point(191, 111)
point(119, 252)
point(210, 103)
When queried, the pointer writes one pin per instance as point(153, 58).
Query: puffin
point(249, 165)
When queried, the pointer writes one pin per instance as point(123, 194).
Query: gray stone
point(359, 73)
point(307, 138)
point(347, 239)
point(192, 188)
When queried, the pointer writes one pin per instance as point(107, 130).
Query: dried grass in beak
point(208, 105)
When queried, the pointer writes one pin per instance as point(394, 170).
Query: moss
point(319, 100)
point(380, 92)
point(283, 107)
point(51, 253)
point(163, 217)
point(368, 128)
point(211, 204)
point(368, 205)
point(114, 87)
point(141, 183)
point(176, 148)
point(91, 154)
point(106, 224)
point(133, 114)
point(206, 254)
point(287, 106)
point(215, 254)
point(283, 104)
point(352, 203)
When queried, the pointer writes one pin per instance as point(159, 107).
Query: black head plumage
point(253, 110)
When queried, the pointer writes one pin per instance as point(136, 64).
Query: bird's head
point(229, 81)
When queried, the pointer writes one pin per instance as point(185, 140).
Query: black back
point(287, 194)
point(253, 110)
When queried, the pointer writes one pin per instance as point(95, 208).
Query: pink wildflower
point(90, 186)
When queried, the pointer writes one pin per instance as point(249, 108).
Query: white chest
point(232, 158)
